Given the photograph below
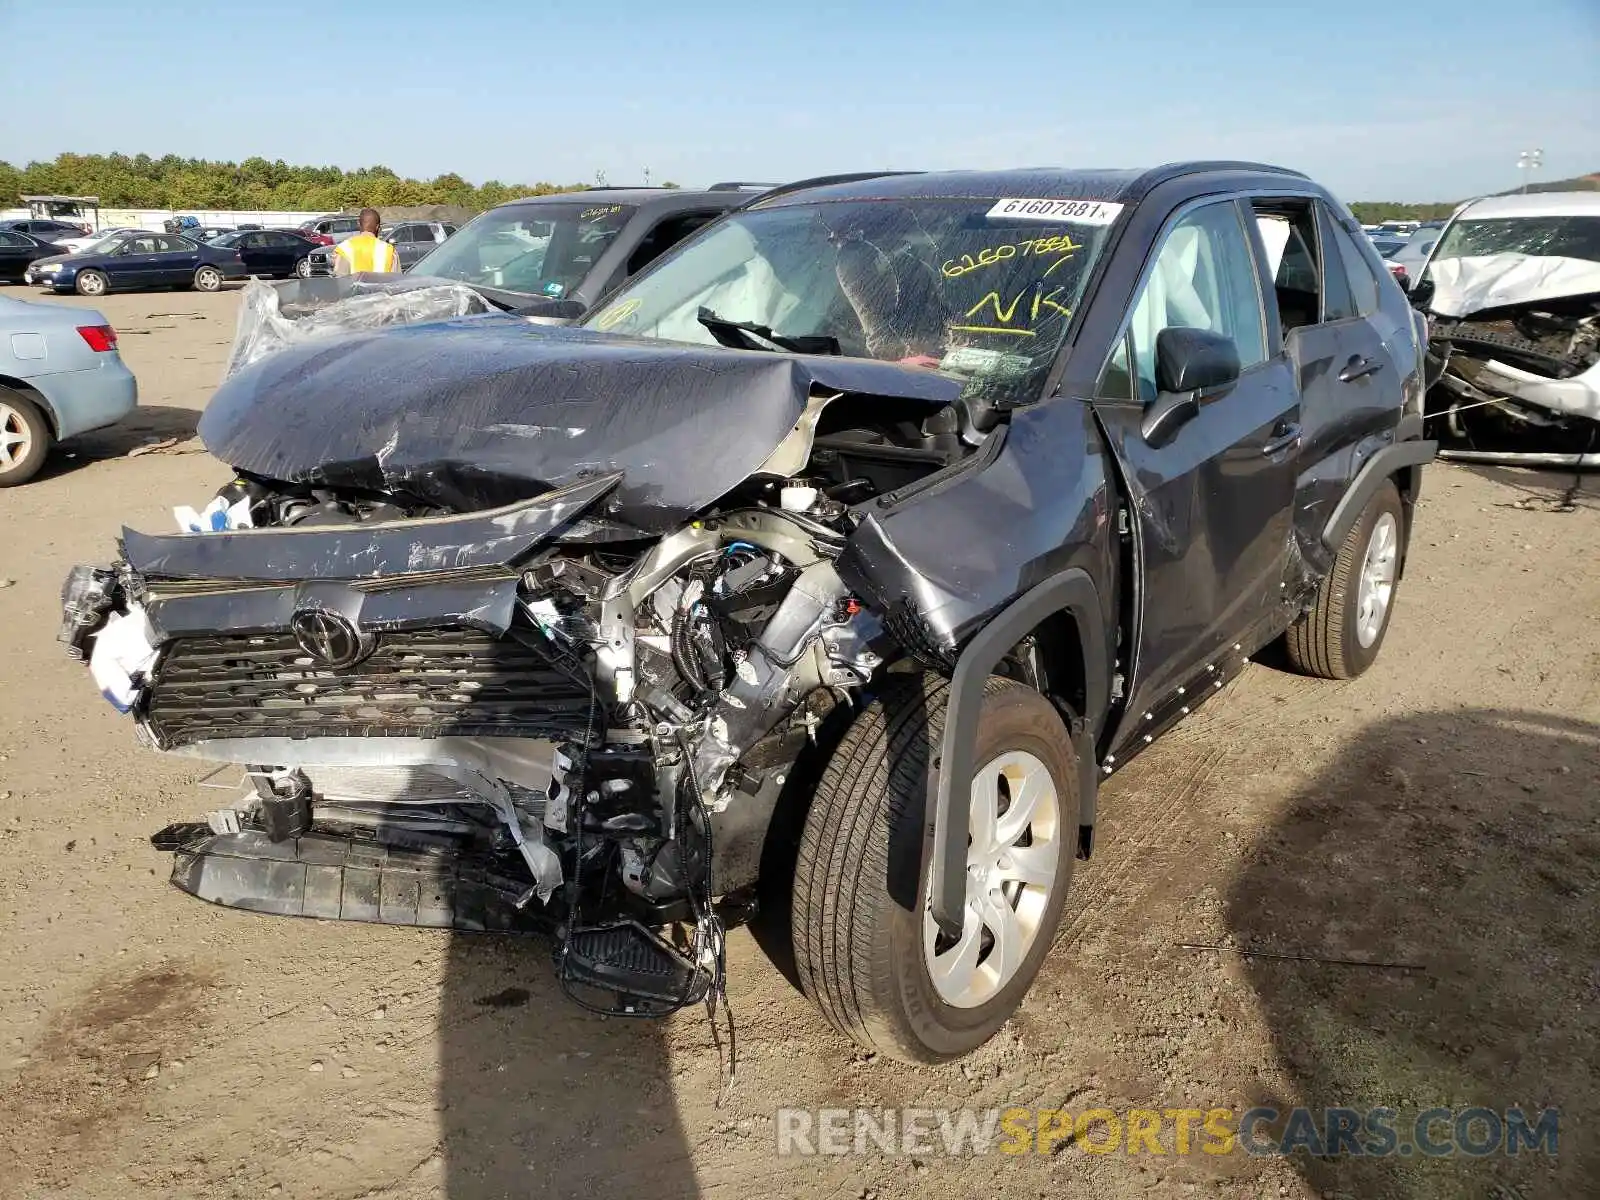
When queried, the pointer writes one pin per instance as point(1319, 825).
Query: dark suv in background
point(574, 247)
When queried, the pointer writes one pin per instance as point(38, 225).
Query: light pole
point(1528, 162)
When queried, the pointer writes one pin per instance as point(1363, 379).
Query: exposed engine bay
point(540, 716)
point(1515, 360)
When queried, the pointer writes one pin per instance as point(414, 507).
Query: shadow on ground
point(1545, 487)
point(539, 1098)
point(1466, 842)
point(147, 424)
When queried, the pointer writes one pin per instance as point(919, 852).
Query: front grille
point(425, 683)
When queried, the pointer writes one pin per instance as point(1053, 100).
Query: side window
point(1204, 277)
point(1116, 380)
point(168, 244)
point(667, 233)
point(1361, 283)
point(141, 245)
point(1305, 291)
point(11, 239)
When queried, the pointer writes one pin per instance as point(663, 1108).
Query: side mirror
point(1190, 363)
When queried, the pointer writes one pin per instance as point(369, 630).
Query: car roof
point(1047, 183)
point(1535, 204)
point(730, 196)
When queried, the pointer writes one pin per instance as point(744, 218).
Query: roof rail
point(736, 185)
point(1174, 170)
point(826, 181)
point(623, 187)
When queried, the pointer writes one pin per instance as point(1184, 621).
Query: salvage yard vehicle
point(839, 555)
point(568, 250)
point(1513, 292)
point(134, 261)
point(60, 375)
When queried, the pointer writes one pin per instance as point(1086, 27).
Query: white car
point(1512, 290)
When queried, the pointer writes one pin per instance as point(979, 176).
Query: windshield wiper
point(747, 335)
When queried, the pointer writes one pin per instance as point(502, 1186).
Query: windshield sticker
point(1006, 319)
point(1062, 245)
point(1080, 212)
point(554, 289)
point(617, 314)
point(603, 210)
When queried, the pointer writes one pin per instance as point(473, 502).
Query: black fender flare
point(1407, 450)
point(947, 811)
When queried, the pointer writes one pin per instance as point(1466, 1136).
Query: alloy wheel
point(1012, 856)
point(1378, 570)
point(16, 438)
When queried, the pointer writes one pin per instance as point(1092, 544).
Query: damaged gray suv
point(836, 560)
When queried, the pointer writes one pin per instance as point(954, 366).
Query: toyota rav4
point(846, 551)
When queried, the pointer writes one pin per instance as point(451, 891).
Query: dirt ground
point(1442, 812)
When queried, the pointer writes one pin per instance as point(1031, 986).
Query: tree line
point(139, 181)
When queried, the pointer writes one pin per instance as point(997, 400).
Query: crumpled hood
point(1463, 286)
point(485, 411)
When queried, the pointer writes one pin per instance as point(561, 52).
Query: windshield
point(535, 249)
point(1564, 237)
point(104, 244)
point(939, 283)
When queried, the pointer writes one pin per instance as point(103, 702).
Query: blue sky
point(1392, 100)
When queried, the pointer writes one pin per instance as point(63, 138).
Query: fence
point(151, 218)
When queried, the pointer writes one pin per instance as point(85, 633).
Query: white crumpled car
point(1513, 293)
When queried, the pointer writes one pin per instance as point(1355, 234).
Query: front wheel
point(867, 950)
point(207, 279)
point(1340, 636)
point(24, 438)
point(303, 268)
point(92, 283)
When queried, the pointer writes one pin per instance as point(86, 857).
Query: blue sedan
point(60, 375)
point(135, 261)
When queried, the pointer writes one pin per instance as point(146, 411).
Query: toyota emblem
point(330, 638)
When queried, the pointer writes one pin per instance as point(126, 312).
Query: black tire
point(207, 279)
point(92, 283)
point(21, 417)
point(1327, 641)
point(858, 905)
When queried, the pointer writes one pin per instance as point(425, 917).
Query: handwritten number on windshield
point(989, 256)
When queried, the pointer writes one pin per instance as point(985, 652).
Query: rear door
point(16, 252)
point(1330, 310)
point(1212, 505)
point(175, 260)
point(279, 252)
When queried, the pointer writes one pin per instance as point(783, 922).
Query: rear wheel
point(1341, 635)
point(25, 438)
point(867, 950)
point(207, 279)
point(92, 283)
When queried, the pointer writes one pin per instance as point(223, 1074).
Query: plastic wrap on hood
point(486, 411)
point(1463, 286)
point(273, 316)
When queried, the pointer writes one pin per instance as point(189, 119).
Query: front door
point(1211, 506)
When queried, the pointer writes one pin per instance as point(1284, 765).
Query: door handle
point(1357, 367)
point(1284, 437)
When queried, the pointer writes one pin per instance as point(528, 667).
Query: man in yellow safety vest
point(365, 251)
